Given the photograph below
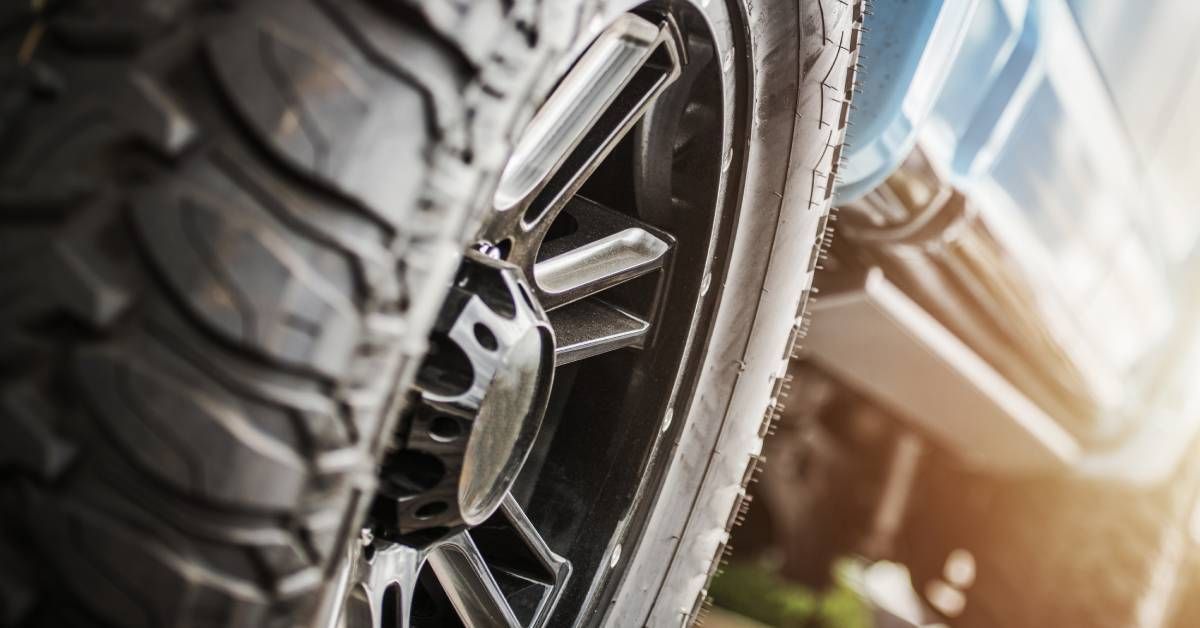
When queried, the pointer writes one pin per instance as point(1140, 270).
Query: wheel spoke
point(381, 589)
point(599, 265)
point(591, 327)
point(473, 591)
point(605, 249)
point(605, 93)
point(556, 566)
point(500, 573)
point(531, 574)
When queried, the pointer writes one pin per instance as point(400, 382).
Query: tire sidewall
point(712, 451)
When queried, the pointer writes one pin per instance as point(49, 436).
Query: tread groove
point(137, 155)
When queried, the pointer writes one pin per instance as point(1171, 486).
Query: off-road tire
point(225, 230)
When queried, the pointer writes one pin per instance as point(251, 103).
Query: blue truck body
point(1068, 123)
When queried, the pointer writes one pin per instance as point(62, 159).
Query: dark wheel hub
point(481, 396)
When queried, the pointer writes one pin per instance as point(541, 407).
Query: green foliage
point(759, 594)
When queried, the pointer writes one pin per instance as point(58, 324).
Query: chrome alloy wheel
point(523, 461)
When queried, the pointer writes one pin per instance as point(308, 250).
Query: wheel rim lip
point(715, 242)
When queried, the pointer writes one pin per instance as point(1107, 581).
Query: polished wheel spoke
point(603, 96)
point(606, 248)
point(599, 265)
point(500, 573)
point(574, 248)
point(470, 585)
point(556, 566)
point(381, 585)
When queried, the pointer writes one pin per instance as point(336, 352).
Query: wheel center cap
point(483, 390)
point(502, 427)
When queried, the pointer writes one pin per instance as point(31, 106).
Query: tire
point(218, 282)
point(222, 283)
point(802, 66)
point(1054, 551)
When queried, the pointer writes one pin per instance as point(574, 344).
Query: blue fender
point(909, 49)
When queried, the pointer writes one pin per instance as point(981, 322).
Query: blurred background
point(993, 421)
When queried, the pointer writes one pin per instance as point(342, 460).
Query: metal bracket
point(877, 340)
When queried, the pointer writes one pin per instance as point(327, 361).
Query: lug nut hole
point(411, 472)
point(485, 337)
point(445, 429)
point(504, 248)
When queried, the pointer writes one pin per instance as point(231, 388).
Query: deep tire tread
point(216, 292)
